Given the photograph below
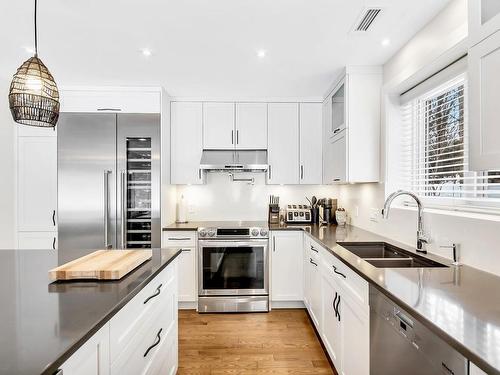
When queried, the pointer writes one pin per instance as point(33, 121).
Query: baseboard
point(188, 305)
point(287, 305)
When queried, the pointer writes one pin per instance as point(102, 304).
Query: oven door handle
point(232, 243)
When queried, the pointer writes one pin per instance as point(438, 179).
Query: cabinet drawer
point(352, 282)
point(149, 349)
point(179, 239)
point(142, 310)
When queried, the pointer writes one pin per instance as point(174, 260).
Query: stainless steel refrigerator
point(108, 181)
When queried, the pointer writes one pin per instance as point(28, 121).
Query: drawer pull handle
point(338, 273)
point(157, 293)
point(313, 262)
point(54, 244)
point(179, 238)
point(157, 341)
point(54, 217)
point(334, 302)
point(337, 308)
point(186, 250)
point(336, 130)
point(313, 249)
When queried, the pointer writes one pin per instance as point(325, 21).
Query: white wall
point(221, 199)
point(7, 217)
point(477, 235)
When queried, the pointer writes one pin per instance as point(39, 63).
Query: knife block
point(274, 214)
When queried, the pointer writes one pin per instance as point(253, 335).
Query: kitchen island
point(43, 324)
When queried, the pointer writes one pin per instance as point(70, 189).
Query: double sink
point(384, 255)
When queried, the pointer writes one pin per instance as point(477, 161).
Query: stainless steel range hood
point(234, 160)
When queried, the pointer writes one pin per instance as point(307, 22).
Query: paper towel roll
point(182, 210)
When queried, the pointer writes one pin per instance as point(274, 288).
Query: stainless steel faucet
point(421, 237)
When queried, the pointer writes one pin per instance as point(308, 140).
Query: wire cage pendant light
point(33, 94)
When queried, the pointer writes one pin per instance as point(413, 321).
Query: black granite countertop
point(43, 323)
point(460, 304)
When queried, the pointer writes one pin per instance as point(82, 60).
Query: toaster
point(298, 213)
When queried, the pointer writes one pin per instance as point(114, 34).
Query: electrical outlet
point(374, 214)
point(356, 211)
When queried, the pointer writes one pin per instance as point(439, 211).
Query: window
point(435, 150)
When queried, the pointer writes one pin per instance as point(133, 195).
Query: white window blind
point(435, 150)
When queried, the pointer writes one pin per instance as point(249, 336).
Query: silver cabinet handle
point(157, 341)
point(237, 137)
point(186, 250)
point(269, 171)
point(109, 109)
point(179, 238)
point(232, 137)
point(199, 174)
point(301, 172)
point(274, 244)
point(106, 208)
point(123, 178)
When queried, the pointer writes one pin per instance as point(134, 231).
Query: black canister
point(315, 215)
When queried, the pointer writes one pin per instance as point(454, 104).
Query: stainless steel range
point(233, 267)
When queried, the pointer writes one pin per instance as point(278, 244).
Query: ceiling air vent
point(366, 20)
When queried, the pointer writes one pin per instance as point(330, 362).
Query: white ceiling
point(207, 47)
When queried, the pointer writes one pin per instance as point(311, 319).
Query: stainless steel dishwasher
point(399, 344)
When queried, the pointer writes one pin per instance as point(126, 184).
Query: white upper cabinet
point(127, 100)
point(311, 156)
point(218, 126)
point(186, 142)
point(37, 184)
point(251, 126)
point(483, 19)
point(287, 259)
point(484, 117)
point(283, 143)
point(352, 129)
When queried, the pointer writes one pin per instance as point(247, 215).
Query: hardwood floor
point(280, 342)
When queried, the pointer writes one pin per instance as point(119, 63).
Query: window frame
point(418, 152)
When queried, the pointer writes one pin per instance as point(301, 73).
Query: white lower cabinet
point(355, 336)
point(187, 265)
point(331, 332)
point(337, 301)
point(92, 358)
point(142, 338)
point(286, 266)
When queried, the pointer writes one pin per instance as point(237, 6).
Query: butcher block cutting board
point(101, 265)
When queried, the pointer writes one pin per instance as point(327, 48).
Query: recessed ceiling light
point(146, 52)
point(385, 42)
point(261, 53)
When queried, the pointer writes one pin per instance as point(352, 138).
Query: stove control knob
point(255, 232)
point(263, 232)
point(202, 233)
point(211, 233)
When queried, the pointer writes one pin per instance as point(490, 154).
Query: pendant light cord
point(36, 31)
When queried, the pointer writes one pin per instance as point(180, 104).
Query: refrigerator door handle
point(124, 209)
point(107, 245)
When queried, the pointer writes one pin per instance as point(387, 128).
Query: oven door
point(232, 267)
